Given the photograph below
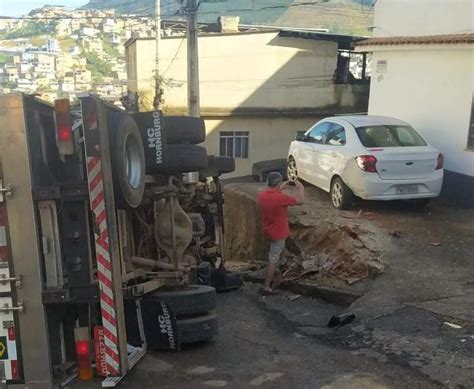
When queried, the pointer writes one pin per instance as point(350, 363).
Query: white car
point(371, 157)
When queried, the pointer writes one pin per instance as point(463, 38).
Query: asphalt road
point(400, 338)
point(259, 347)
point(427, 282)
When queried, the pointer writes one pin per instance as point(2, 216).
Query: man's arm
point(293, 199)
point(299, 193)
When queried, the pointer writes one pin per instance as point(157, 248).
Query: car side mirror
point(301, 137)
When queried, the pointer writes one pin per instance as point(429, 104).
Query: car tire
point(341, 195)
point(185, 130)
point(292, 170)
point(197, 329)
point(128, 159)
point(191, 301)
point(218, 166)
point(181, 159)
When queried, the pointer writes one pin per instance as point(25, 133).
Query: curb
point(310, 289)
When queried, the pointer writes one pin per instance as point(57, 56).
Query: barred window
point(234, 144)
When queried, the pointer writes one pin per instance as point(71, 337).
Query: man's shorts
point(276, 248)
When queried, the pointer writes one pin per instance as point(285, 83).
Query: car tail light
point(64, 136)
point(367, 163)
point(83, 353)
point(440, 163)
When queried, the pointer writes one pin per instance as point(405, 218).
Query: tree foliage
point(97, 66)
point(31, 29)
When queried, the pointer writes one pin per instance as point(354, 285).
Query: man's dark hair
point(274, 179)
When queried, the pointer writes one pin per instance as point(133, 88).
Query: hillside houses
point(83, 50)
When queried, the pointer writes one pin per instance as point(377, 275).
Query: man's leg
point(269, 277)
point(276, 248)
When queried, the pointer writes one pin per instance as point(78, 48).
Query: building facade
point(258, 89)
point(422, 72)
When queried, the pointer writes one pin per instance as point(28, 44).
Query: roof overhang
point(381, 43)
point(345, 42)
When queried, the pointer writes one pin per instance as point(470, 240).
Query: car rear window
point(389, 136)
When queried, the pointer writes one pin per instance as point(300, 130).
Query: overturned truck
point(111, 228)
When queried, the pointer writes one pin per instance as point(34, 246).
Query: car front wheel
point(292, 170)
point(341, 195)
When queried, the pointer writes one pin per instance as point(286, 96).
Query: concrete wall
point(244, 240)
point(422, 17)
point(247, 71)
point(269, 138)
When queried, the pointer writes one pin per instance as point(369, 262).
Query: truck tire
point(197, 329)
point(194, 300)
point(224, 281)
point(181, 159)
point(218, 166)
point(185, 130)
point(128, 159)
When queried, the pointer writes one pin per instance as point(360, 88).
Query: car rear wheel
point(341, 195)
point(292, 170)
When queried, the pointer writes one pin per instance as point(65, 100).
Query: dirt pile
point(332, 248)
point(332, 254)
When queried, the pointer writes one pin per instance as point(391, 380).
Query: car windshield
point(389, 136)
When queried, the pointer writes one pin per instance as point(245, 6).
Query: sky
point(22, 7)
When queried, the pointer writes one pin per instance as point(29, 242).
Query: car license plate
point(406, 189)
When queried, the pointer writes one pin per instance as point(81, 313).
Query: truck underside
point(106, 214)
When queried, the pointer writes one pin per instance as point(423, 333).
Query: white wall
point(254, 70)
point(431, 88)
point(423, 17)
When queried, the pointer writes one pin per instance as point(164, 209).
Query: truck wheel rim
point(292, 172)
point(133, 163)
point(337, 194)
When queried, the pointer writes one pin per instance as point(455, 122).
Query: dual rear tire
point(194, 309)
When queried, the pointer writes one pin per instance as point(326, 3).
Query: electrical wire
point(177, 13)
point(175, 56)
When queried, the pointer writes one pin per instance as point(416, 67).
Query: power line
point(175, 56)
point(177, 13)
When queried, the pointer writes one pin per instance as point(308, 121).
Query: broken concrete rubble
point(330, 251)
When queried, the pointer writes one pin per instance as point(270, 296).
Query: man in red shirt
point(273, 207)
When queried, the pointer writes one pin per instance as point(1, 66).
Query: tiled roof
point(447, 39)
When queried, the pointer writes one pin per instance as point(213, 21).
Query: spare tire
point(197, 329)
point(261, 169)
point(218, 166)
point(187, 130)
point(193, 300)
point(181, 159)
point(128, 159)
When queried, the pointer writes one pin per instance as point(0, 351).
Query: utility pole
point(158, 89)
point(193, 58)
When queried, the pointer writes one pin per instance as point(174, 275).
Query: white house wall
point(431, 89)
point(422, 17)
